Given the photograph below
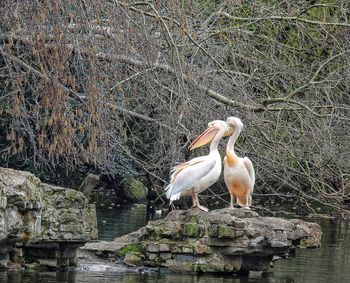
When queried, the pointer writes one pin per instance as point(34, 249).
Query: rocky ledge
point(41, 225)
point(225, 240)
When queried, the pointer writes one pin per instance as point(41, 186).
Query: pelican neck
point(232, 140)
point(215, 142)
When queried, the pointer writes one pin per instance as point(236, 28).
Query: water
point(116, 219)
point(330, 263)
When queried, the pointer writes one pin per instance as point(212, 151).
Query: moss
point(207, 267)
point(191, 229)
point(309, 242)
point(226, 232)
point(200, 267)
point(213, 231)
point(194, 219)
point(191, 245)
point(131, 249)
point(134, 189)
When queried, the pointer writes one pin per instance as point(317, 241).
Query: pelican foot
point(200, 207)
point(203, 208)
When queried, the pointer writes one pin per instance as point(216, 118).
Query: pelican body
point(239, 172)
point(193, 177)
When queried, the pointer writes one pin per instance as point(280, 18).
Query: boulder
point(224, 240)
point(40, 224)
point(134, 190)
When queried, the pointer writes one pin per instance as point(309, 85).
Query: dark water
point(331, 263)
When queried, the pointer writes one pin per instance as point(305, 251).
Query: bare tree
point(123, 86)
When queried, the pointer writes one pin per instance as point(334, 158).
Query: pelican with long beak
point(239, 172)
point(193, 177)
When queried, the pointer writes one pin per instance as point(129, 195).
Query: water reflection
point(117, 219)
point(86, 277)
point(326, 264)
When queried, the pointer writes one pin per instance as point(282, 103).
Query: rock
point(153, 248)
point(134, 190)
point(133, 259)
point(225, 240)
point(191, 229)
point(164, 247)
point(152, 256)
point(166, 256)
point(40, 223)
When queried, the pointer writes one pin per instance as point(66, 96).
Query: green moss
point(191, 229)
point(226, 232)
point(213, 231)
point(191, 245)
point(200, 267)
point(160, 230)
point(134, 189)
point(194, 219)
point(131, 249)
point(206, 267)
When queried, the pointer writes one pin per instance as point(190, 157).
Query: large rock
point(40, 224)
point(226, 240)
point(133, 190)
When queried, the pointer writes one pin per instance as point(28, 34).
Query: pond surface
point(330, 263)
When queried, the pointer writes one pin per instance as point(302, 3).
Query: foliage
point(122, 87)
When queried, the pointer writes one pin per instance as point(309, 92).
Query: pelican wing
point(185, 175)
point(179, 167)
point(249, 165)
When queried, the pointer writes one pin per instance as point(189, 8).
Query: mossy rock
point(213, 231)
point(133, 259)
point(191, 229)
point(131, 249)
point(134, 190)
point(226, 232)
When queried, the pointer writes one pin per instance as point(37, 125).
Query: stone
point(68, 236)
point(226, 232)
point(175, 249)
point(225, 240)
point(238, 223)
point(164, 248)
point(202, 249)
point(152, 256)
point(165, 256)
point(34, 215)
point(187, 250)
point(134, 190)
point(213, 231)
point(3, 202)
point(133, 259)
point(71, 227)
point(191, 229)
point(153, 248)
point(257, 242)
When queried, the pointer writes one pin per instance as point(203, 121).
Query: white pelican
point(239, 172)
point(193, 177)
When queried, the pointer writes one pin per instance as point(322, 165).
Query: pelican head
point(233, 124)
point(214, 127)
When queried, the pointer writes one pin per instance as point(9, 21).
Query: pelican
point(196, 175)
point(239, 172)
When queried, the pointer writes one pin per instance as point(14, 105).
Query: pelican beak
point(204, 138)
